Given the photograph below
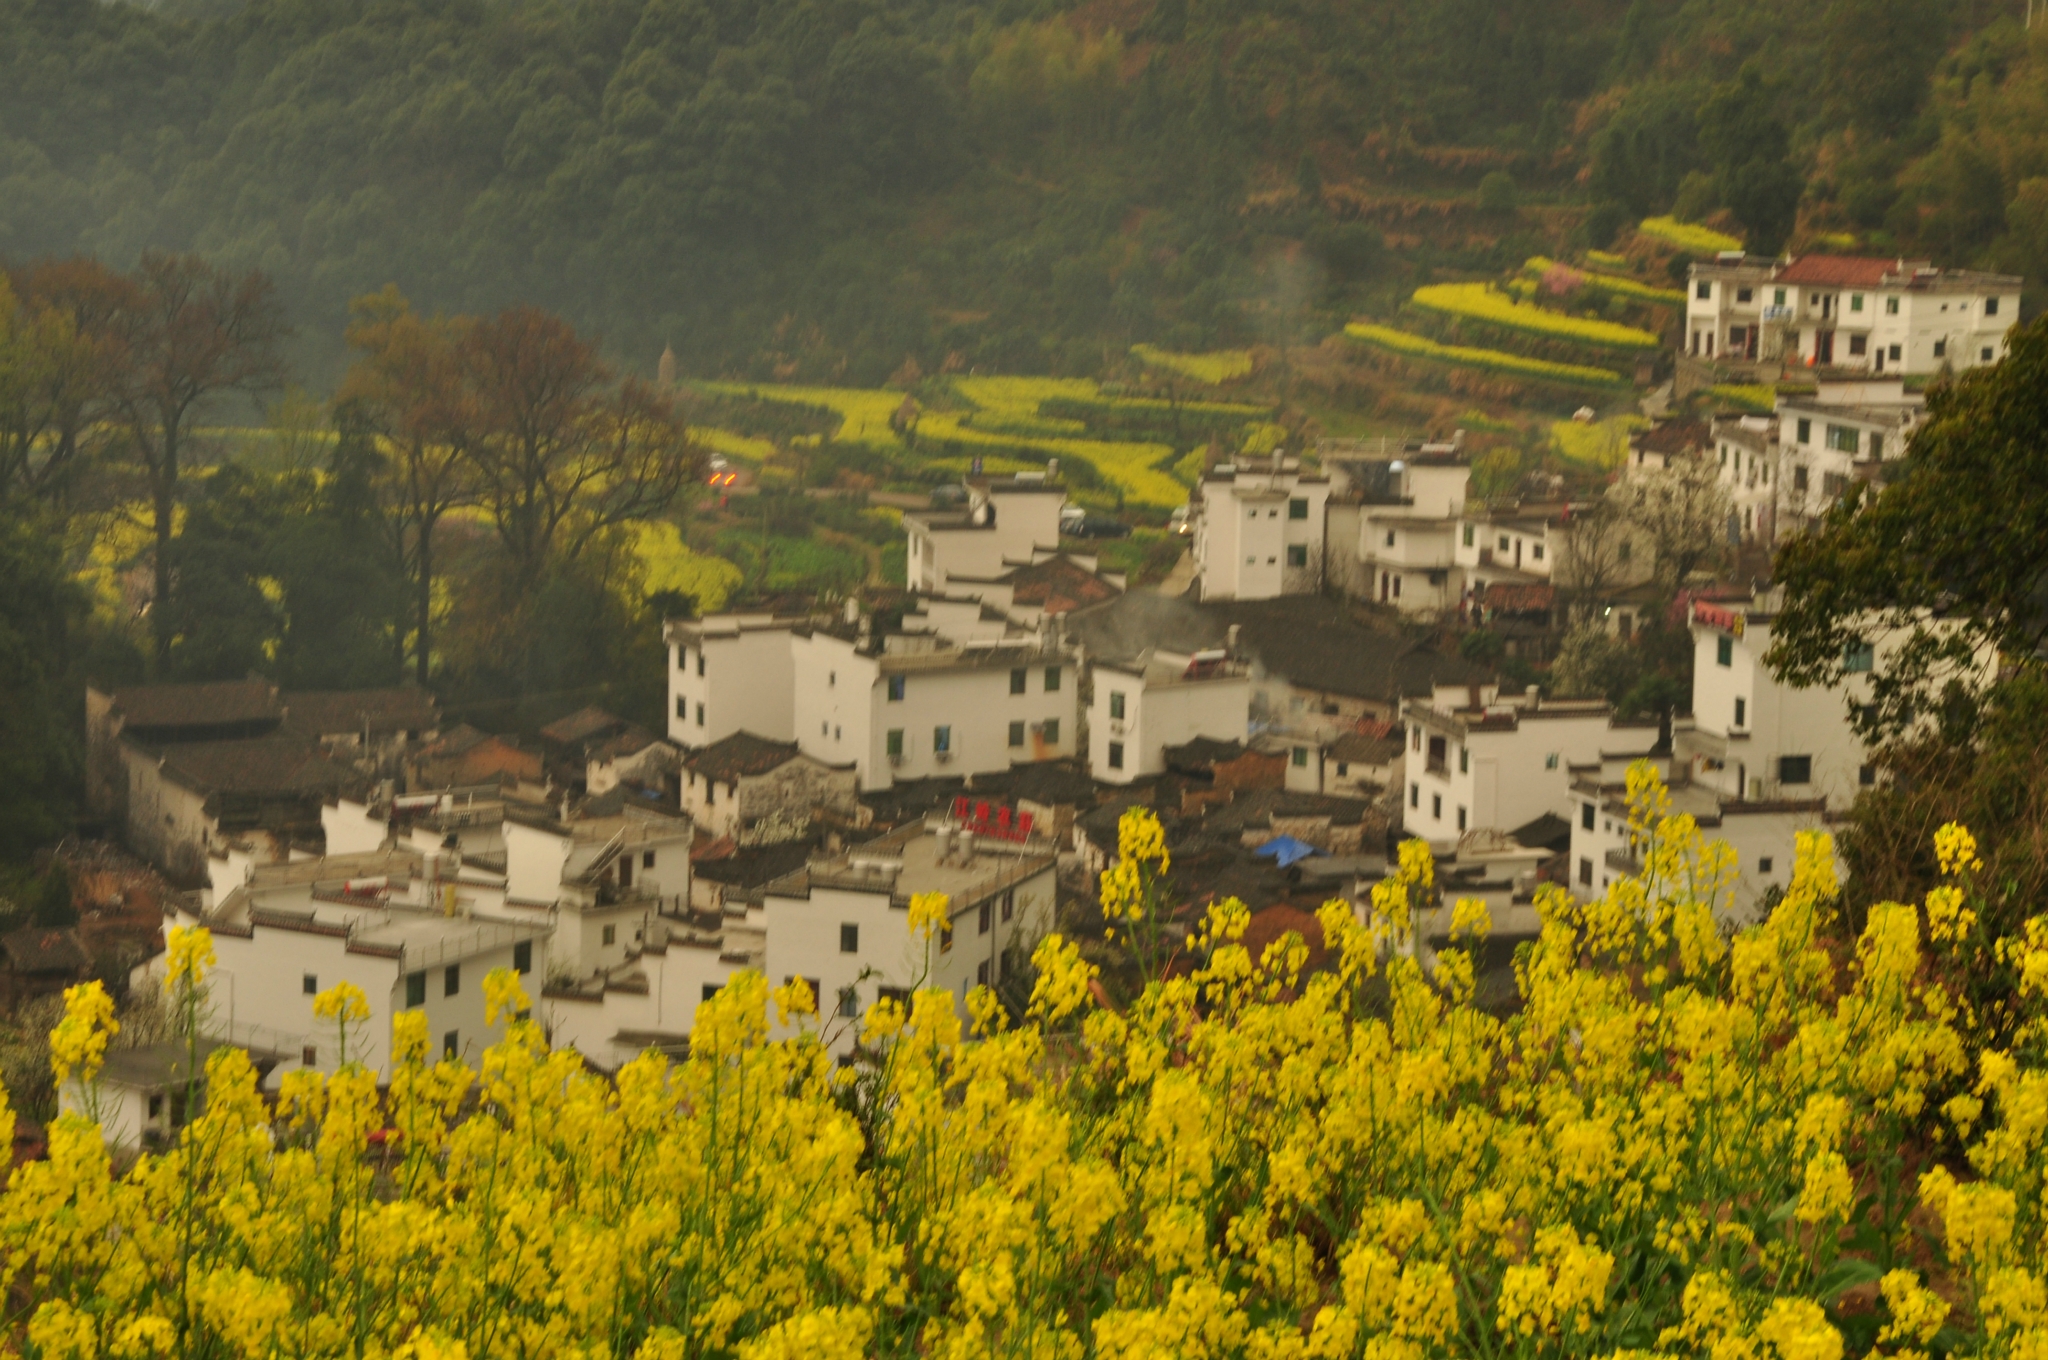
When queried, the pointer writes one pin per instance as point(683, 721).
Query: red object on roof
point(1837, 271)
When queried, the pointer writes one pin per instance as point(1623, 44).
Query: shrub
point(1705, 1145)
point(1496, 361)
point(1215, 368)
point(1614, 284)
point(1687, 236)
point(1481, 302)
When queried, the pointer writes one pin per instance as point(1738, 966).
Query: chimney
point(852, 610)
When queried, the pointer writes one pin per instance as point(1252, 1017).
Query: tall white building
point(1839, 435)
point(1838, 311)
point(730, 673)
point(1005, 520)
point(1259, 529)
point(1394, 523)
point(1140, 708)
point(1495, 764)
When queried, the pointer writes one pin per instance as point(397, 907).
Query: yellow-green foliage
point(733, 445)
point(865, 415)
point(1263, 437)
point(1480, 422)
point(1215, 367)
point(1760, 397)
point(668, 563)
point(1615, 284)
point(1687, 235)
point(1466, 356)
point(1686, 1136)
point(1601, 444)
point(1606, 259)
point(1837, 240)
point(1482, 302)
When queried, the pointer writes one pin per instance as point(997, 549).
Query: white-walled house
point(1394, 524)
point(1005, 520)
point(1746, 448)
point(730, 673)
point(1839, 435)
point(911, 705)
point(744, 785)
point(1259, 529)
point(1139, 709)
point(843, 922)
point(1495, 766)
point(1835, 311)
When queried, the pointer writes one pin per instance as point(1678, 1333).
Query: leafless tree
point(1683, 510)
point(1593, 562)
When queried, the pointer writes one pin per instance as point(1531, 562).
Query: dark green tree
point(1747, 144)
point(41, 610)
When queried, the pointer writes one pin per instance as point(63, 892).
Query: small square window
point(1116, 755)
point(1859, 344)
point(849, 938)
point(1017, 680)
point(1855, 302)
point(1859, 657)
point(1297, 508)
point(1052, 679)
point(1297, 553)
point(310, 984)
point(1468, 535)
point(611, 935)
point(1763, 864)
point(1550, 761)
point(1300, 755)
point(1795, 769)
point(1116, 705)
point(942, 740)
point(1586, 815)
point(1390, 538)
point(522, 957)
point(451, 1043)
point(1724, 651)
point(1051, 731)
point(1892, 353)
point(896, 684)
point(981, 973)
point(710, 990)
point(1891, 308)
point(1016, 734)
point(1985, 354)
point(849, 1003)
point(1940, 349)
point(1777, 297)
point(1536, 551)
point(1744, 294)
point(895, 741)
point(451, 979)
point(1703, 291)
point(1805, 430)
point(309, 1056)
point(682, 708)
point(1585, 872)
point(1502, 545)
point(415, 989)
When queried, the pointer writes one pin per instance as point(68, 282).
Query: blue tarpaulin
point(1285, 850)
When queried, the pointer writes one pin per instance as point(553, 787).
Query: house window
point(1464, 760)
point(1626, 551)
point(682, 708)
point(849, 938)
point(1892, 353)
point(1300, 757)
point(895, 741)
point(1415, 737)
point(1742, 712)
point(1468, 535)
point(1297, 508)
point(700, 715)
point(415, 989)
point(647, 859)
point(896, 684)
point(1009, 904)
point(451, 979)
point(1343, 769)
point(1833, 483)
point(710, 990)
point(831, 679)
point(451, 1043)
point(946, 936)
point(1550, 760)
point(1297, 553)
point(1859, 344)
point(611, 935)
point(1051, 731)
point(981, 973)
point(1891, 308)
point(1805, 430)
point(1744, 294)
point(522, 957)
point(985, 919)
point(1415, 796)
point(1876, 444)
point(309, 1055)
point(1536, 551)
point(1703, 291)
point(1016, 734)
point(1397, 587)
point(1795, 769)
point(942, 740)
point(1052, 679)
point(1844, 439)
point(1586, 815)
point(1017, 680)
point(1866, 775)
point(1116, 755)
point(1252, 513)
point(849, 1002)
point(1855, 302)
point(1503, 547)
point(1436, 806)
point(1390, 538)
point(1116, 705)
point(1940, 348)
point(1461, 818)
point(1985, 354)
point(1777, 297)
point(1859, 657)
point(700, 663)
point(1586, 865)
point(310, 984)
point(1724, 651)
point(1763, 864)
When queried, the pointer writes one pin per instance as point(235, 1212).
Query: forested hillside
point(817, 190)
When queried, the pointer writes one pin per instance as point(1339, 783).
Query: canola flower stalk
point(1685, 1142)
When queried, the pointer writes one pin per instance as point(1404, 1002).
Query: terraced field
point(1423, 348)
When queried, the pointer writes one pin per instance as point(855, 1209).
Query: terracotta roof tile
point(1837, 271)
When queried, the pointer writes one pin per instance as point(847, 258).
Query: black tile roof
point(741, 754)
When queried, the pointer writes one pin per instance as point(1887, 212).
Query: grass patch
point(1215, 367)
point(1482, 302)
point(1687, 235)
point(1410, 346)
point(1761, 398)
point(1602, 445)
point(668, 563)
